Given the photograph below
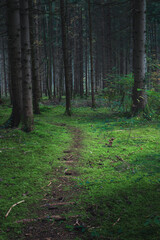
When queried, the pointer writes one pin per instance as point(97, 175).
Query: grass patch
point(122, 182)
point(28, 162)
point(120, 185)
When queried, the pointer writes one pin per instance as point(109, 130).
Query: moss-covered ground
point(119, 172)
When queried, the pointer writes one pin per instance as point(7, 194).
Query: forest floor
point(57, 206)
point(95, 175)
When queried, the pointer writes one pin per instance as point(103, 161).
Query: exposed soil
point(51, 222)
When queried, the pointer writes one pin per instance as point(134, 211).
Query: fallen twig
point(119, 158)
point(49, 183)
point(13, 207)
point(116, 222)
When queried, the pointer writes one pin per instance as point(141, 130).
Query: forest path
point(51, 223)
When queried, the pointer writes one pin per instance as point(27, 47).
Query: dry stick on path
point(13, 207)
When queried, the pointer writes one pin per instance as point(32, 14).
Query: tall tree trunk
point(121, 65)
point(76, 66)
point(81, 53)
point(35, 57)
point(26, 68)
point(61, 73)
point(65, 58)
point(69, 45)
point(45, 79)
point(54, 71)
point(0, 88)
point(86, 67)
point(103, 50)
point(91, 54)
point(50, 51)
point(139, 56)
point(109, 41)
point(14, 47)
point(4, 67)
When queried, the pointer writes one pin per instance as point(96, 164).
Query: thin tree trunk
point(4, 68)
point(81, 53)
point(109, 41)
point(45, 55)
point(61, 81)
point(14, 48)
point(35, 58)
point(50, 51)
point(65, 58)
point(139, 56)
point(91, 54)
point(54, 71)
point(86, 68)
point(76, 66)
point(103, 51)
point(26, 68)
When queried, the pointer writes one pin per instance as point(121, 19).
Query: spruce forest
point(79, 119)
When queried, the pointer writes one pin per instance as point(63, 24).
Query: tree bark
point(45, 78)
point(14, 48)
point(81, 53)
point(26, 68)
point(139, 56)
point(91, 55)
point(103, 50)
point(4, 67)
point(50, 51)
point(86, 68)
point(109, 42)
point(35, 57)
point(65, 58)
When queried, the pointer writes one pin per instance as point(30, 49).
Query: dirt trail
point(60, 201)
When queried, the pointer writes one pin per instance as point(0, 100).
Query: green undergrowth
point(122, 181)
point(27, 165)
point(119, 165)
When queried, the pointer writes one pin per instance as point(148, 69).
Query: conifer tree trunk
point(54, 72)
point(81, 53)
point(65, 58)
point(0, 88)
point(35, 57)
point(61, 79)
point(103, 50)
point(109, 42)
point(139, 56)
point(86, 68)
point(45, 56)
point(50, 52)
point(91, 55)
point(14, 48)
point(26, 68)
point(4, 67)
point(76, 85)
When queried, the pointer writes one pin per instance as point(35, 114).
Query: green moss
point(119, 185)
point(122, 181)
point(27, 164)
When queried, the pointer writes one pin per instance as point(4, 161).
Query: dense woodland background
point(93, 172)
point(57, 48)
